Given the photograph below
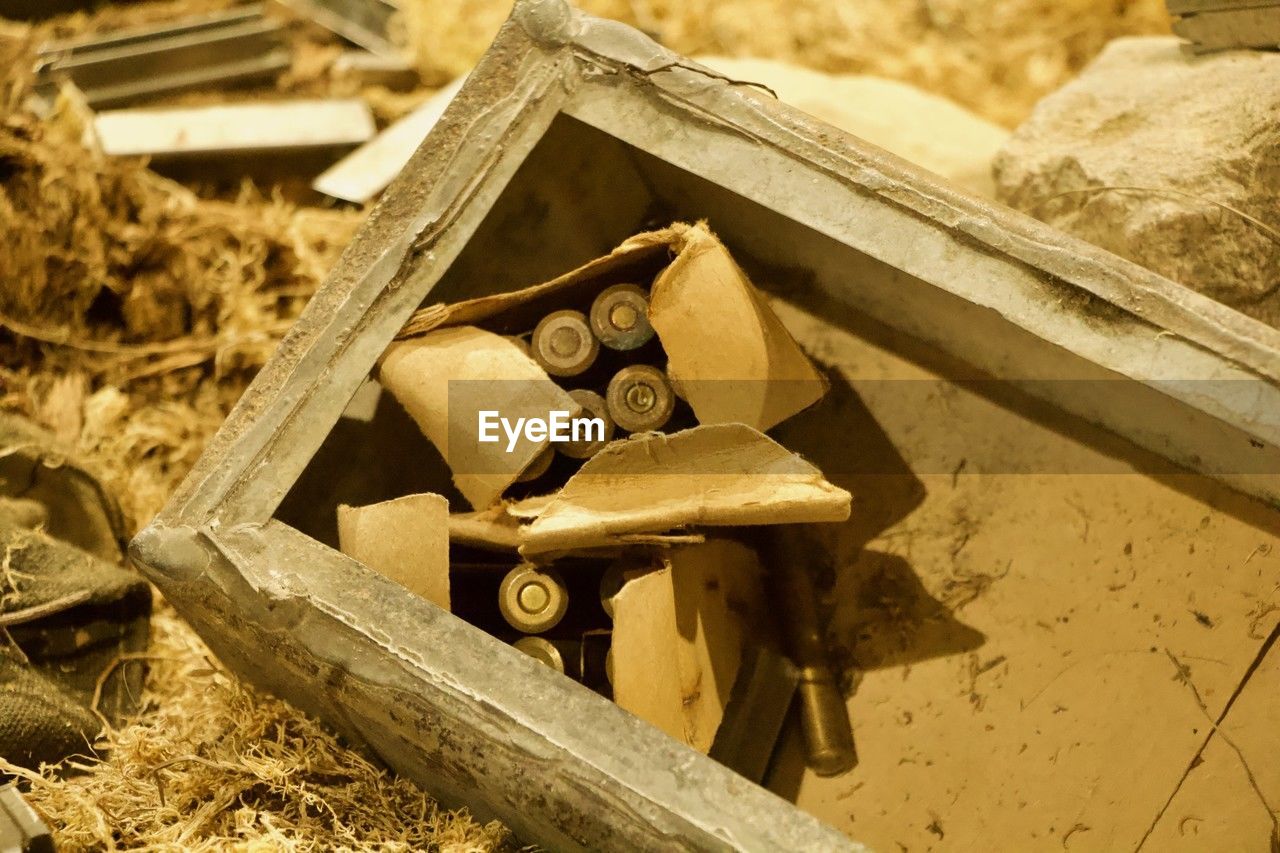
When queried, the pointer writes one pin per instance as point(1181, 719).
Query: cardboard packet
point(406, 539)
point(734, 360)
point(679, 634)
point(445, 378)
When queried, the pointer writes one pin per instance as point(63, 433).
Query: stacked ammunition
point(534, 600)
point(611, 363)
point(715, 635)
point(561, 617)
point(1211, 25)
point(561, 622)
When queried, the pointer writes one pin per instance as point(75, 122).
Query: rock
point(1169, 160)
point(924, 128)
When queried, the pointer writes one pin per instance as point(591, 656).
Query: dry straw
point(209, 764)
point(997, 57)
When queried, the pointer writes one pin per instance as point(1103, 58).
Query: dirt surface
point(1047, 641)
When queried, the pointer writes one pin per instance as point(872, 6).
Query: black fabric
point(66, 617)
point(39, 721)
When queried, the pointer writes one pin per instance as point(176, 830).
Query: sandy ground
point(1047, 657)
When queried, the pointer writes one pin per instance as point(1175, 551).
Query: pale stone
point(1169, 160)
point(919, 126)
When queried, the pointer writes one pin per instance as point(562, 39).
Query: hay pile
point(134, 311)
point(132, 315)
point(210, 763)
point(997, 57)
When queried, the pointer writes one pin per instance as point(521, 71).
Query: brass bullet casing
point(543, 650)
point(620, 317)
point(563, 343)
point(824, 717)
point(824, 723)
point(531, 599)
point(611, 583)
point(538, 466)
point(639, 398)
point(593, 406)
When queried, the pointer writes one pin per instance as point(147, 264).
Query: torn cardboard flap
point(724, 474)
point(492, 529)
point(498, 529)
point(406, 539)
point(679, 633)
point(447, 377)
point(733, 358)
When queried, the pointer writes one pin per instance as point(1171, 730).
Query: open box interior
point(581, 192)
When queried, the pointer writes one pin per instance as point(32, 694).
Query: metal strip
point(366, 23)
point(225, 49)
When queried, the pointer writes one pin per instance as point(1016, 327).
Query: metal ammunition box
point(566, 138)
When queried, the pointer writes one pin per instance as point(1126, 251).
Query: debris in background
point(21, 829)
point(370, 69)
point(279, 132)
point(368, 170)
point(1106, 159)
point(1227, 24)
point(34, 10)
point(220, 49)
point(163, 303)
point(370, 24)
point(995, 58)
point(919, 126)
